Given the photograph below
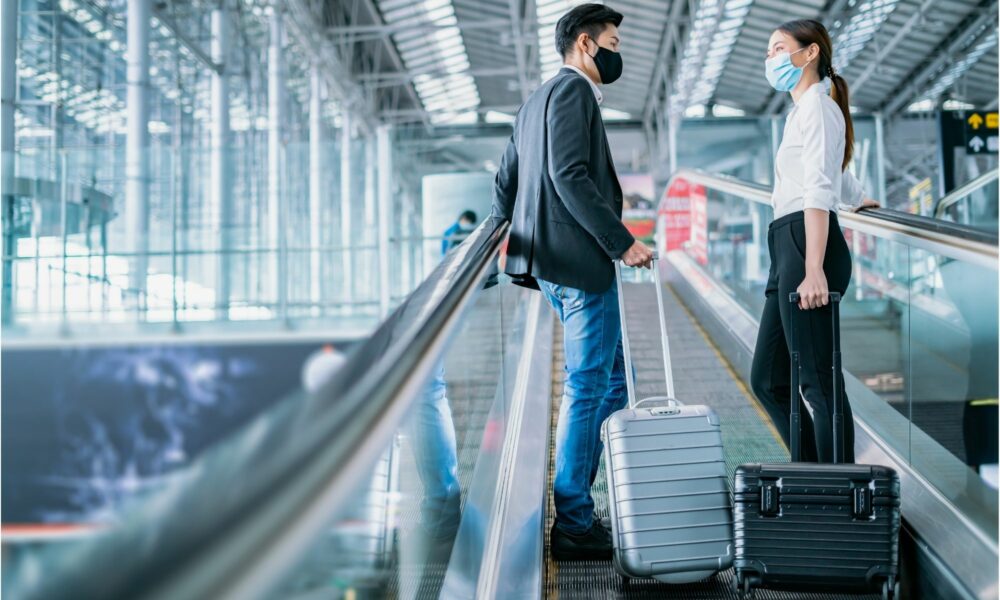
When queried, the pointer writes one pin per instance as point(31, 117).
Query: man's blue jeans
point(434, 449)
point(594, 388)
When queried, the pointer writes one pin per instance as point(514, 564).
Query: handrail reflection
point(957, 195)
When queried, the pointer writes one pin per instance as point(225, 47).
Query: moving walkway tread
point(701, 377)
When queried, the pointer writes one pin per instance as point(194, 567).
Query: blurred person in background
point(460, 230)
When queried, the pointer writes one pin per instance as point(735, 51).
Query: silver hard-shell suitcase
point(671, 514)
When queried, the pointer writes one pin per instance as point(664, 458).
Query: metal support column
point(346, 182)
point(674, 124)
point(775, 142)
point(384, 214)
point(137, 147)
point(371, 200)
point(8, 95)
point(880, 158)
point(221, 193)
point(315, 183)
point(275, 121)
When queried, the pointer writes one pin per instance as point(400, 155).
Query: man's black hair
point(468, 216)
point(591, 19)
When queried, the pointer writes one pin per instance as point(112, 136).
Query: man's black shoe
point(604, 522)
point(593, 545)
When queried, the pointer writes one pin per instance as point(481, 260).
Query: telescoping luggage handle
point(667, 371)
point(838, 408)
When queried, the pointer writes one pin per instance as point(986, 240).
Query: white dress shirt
point(593, 86)
point(807, 172)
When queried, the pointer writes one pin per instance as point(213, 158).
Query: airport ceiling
point(459, 61)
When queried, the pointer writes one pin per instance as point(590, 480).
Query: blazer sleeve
point(505, 184)
point(571, 108)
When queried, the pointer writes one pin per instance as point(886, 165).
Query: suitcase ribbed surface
point(815, 536)
point(668, 491)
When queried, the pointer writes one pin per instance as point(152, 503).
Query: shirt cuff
point(854, 199)
point(824, 201)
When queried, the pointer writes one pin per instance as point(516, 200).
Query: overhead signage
point(981, 132)
point(965, 133)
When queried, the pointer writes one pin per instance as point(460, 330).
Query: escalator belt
point(702, 376)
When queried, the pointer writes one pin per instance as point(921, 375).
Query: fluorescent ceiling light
point(495, 116)
point(695, 111)
point(921, 106)
point(957, 105)
point(613, 114)
point(721, 110)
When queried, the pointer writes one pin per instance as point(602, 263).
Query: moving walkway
point(353, 492)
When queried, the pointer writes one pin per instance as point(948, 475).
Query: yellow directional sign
point(991, 120)
point(975, 120)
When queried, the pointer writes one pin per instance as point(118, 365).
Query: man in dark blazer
point(558, 188)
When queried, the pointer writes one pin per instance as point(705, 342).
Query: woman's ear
point(814, 51)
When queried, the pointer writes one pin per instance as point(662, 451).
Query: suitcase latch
point(769, 505)
point(861, 508)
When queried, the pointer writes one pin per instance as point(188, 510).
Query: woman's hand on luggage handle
point(866, 203)
point(813, 291)
point(639, 255)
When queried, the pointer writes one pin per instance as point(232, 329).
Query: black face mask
point(609, 64)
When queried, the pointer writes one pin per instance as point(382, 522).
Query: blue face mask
point(781, 73)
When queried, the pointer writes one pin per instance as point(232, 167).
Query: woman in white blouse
point(808, 252)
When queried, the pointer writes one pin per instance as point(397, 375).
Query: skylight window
point(867, 19)
point(716, 27)
point(425, 52)
point(959, 67)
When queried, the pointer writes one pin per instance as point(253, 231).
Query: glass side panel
point(953, 380)
point(268, 248)
point(397, 539)
point(977, 209)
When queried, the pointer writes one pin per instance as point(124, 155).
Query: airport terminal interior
point(258, 340)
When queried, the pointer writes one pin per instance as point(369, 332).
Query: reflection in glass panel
point(953, 381)
point(396, 539)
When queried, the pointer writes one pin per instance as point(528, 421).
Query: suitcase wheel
point(743, 587)
point(890, 589)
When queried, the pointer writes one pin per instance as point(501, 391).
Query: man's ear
point(581, 42)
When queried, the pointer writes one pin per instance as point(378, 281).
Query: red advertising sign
point(675, 215)
point(699, 224)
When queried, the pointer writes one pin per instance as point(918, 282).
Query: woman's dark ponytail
point(807, 32)
point(839, 93)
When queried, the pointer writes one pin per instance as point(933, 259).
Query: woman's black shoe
point(593, 545)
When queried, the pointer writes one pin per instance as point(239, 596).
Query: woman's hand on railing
point(866, 203)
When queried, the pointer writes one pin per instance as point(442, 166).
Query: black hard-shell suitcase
point(816, 527)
